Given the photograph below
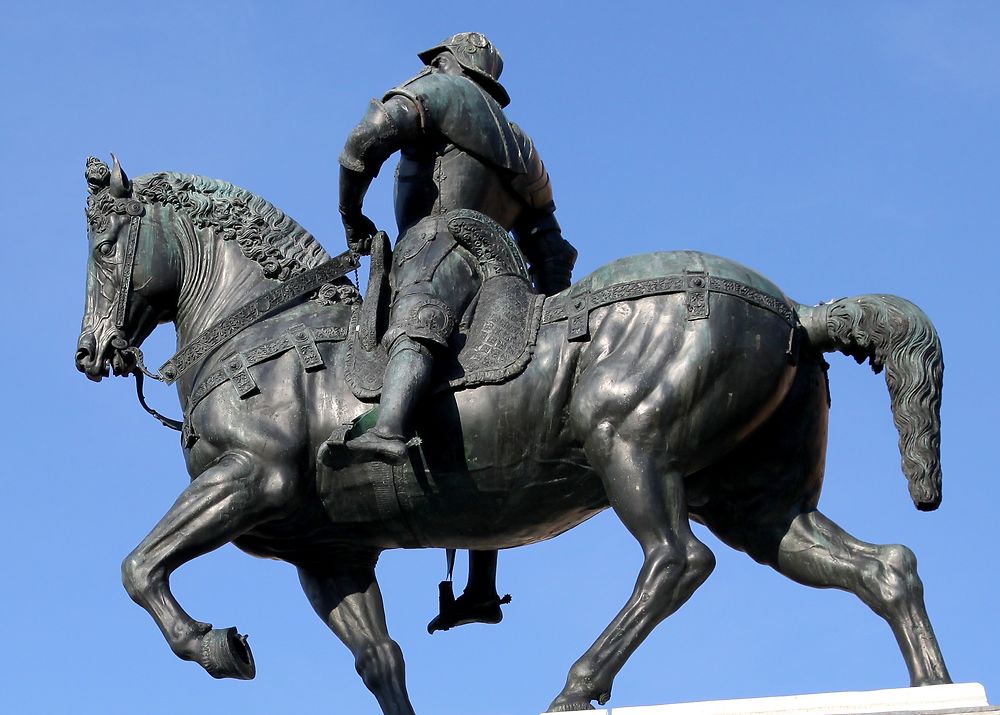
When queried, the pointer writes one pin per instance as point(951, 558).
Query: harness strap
point(249, 313)
point(449, 556)
point(576, 306)
point(135, 210)
point(235, 367)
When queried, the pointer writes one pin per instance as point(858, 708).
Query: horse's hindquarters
point(690, 388)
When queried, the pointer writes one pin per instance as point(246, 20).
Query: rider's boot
point(479, 603)
point(406, 378)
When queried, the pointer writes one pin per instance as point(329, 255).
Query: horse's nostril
point(86, 349)
point(82, 356)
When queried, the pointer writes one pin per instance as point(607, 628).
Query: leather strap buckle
point(696, 294)
point(238, 373)
point(305, 345)
point(578, 318)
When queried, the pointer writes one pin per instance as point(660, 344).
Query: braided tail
point(894, 334)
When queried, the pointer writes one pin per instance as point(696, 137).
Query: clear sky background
point(839, 148)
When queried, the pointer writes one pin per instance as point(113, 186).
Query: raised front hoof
point(464, 611)
point(569, 707)
point(226, 654)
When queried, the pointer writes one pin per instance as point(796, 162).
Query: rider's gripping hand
point(359, 230)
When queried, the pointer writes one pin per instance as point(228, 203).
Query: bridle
point(135, 210)
point(215, 335)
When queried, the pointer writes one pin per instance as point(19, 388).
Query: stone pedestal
point(933, 699)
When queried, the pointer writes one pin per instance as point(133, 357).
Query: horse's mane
point(263, 232)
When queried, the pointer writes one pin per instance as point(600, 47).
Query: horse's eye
point(107, 248)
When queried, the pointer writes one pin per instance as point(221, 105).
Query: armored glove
point(552, 275)
point(359, 230)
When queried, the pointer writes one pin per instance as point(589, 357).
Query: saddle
point(495, 338)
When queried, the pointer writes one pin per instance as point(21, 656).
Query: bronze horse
point(662, 417)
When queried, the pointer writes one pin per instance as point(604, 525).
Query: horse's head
point(132, 274)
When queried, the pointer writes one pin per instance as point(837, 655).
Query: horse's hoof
point(570, 708)
point(226, 654)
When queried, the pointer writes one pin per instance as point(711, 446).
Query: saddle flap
point(497, 345)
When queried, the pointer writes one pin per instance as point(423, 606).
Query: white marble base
point(941, 699)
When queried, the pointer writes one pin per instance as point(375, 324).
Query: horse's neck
point(216, 279)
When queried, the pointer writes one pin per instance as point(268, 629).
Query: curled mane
point(264, 233)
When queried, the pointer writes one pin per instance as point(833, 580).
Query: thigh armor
point(433, 280)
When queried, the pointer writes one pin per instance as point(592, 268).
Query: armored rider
point(458, 152)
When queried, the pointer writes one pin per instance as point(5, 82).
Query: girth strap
point(253, 311)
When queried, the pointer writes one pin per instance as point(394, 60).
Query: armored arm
point(550, 256)
point(385, 128)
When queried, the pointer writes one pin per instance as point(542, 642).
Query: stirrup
point(379, 447)
point(451, 614)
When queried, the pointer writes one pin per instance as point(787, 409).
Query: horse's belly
point(420, 505)
point(494, 470)
point(478, 511)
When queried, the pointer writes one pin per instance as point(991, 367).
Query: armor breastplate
point(431, 183)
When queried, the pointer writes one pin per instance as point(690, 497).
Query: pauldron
point(465, 114)
point(370, 142)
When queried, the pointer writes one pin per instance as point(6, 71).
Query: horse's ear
point(120, 185)
point(98, 174)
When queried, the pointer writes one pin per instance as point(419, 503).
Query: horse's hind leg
point(349, 601)
point(648, 496)
point(224, 502)
point(816, 552)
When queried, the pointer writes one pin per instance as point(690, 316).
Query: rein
point(221, 331)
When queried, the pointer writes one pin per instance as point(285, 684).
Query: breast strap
point(235, 367)
point(251, 312)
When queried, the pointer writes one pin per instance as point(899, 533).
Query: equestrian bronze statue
point(668, 386)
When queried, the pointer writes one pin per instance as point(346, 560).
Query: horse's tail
point(893, 333)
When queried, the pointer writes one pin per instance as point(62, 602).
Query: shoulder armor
point(466, 115)
point(533, 186)
point(377, 135)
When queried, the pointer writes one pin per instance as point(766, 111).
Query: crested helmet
point(475, 53)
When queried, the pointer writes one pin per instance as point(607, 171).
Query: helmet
point(478, 55)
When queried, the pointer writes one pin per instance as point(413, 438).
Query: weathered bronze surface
point(669, 386)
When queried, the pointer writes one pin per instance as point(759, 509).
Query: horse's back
point(648, 266)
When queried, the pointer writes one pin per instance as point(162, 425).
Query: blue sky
point(838, 148)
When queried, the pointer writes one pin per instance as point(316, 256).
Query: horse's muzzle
point(89, 360)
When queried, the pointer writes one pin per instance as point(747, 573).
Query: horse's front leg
point(235, 494)
point(346, 596)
